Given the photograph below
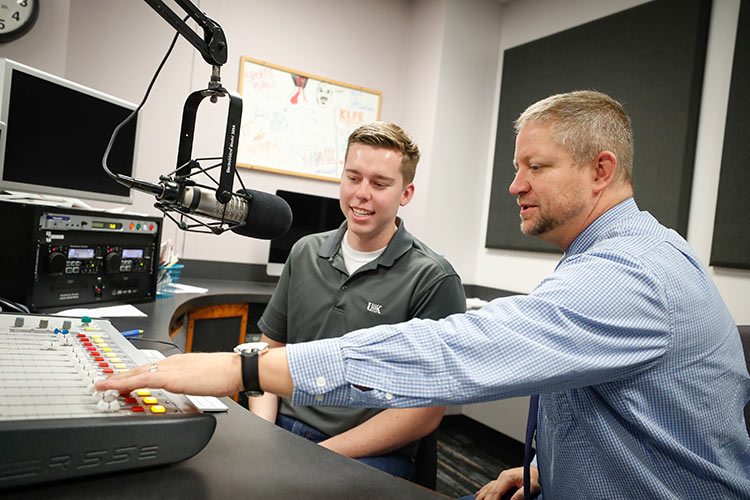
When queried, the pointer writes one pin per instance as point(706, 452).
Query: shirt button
point(318, 397)
point(344, 287)
point(388, 396)
point(320, 381)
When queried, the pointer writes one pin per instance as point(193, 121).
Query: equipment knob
point(57, 262)
point(112, 262)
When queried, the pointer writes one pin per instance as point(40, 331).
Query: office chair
point(425, 463)
point(214, 328)
point(745, 336)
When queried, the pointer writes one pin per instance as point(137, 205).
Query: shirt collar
point(400, 243)
point(597, 229)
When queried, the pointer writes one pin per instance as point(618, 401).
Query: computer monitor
point(310, 214)
point(53, 133)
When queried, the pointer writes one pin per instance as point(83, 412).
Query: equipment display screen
point(81, 253)
point(132, 253)
point(106, 225)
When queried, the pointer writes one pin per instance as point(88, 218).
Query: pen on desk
point(131, 333)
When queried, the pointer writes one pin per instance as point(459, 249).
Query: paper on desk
point(180, 288)
point(475, 303)
point(104, 312)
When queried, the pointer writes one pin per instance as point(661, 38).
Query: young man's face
point(551, 190)
point(372, 189)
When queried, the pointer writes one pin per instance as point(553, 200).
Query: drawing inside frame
point(296, 123)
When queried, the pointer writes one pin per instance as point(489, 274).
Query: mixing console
point(54, 424)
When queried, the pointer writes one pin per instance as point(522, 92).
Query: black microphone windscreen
point(268, 216)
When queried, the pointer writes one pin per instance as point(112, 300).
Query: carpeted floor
point(471, 454)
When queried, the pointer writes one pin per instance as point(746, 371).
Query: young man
point(637, 361)
point(370, 271)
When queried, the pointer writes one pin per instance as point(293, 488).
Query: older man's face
point(550, 189)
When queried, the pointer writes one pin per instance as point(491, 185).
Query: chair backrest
point(425, 463)
point(216, 328)
point(745, 336)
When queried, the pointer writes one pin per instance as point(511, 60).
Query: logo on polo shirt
point(374, 308)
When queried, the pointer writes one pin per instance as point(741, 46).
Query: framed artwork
point(296, 123)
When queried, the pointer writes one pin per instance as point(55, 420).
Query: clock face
point(16, 18)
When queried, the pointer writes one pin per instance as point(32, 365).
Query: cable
point(156, 342)
point(136, 110)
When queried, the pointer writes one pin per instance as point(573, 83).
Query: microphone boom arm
point(213, 48)
point(213, 45)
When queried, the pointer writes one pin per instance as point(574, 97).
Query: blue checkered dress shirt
point(637, 359)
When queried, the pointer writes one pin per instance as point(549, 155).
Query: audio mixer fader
point(55, 425)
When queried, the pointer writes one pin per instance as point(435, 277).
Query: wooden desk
point(247, 457)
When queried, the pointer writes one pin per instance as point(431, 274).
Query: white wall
point(464, 116)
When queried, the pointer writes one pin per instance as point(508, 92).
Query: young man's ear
point(407, 195)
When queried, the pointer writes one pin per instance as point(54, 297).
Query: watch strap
point(250, 378)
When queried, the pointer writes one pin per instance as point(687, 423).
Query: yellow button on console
point(150, 400)
point(158, 409)
point(143, 392)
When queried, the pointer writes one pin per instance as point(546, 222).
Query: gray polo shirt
point(316, 298)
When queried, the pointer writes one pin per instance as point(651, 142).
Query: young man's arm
point(387, 431)
point(267, 405)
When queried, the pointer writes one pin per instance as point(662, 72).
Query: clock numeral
point(24, 3)
point(2, 24)
point(16, 16)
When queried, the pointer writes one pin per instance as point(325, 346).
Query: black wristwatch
point(249, 354)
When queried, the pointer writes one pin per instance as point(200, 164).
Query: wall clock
point(16, 18)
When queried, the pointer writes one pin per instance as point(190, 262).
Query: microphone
point(265, 216)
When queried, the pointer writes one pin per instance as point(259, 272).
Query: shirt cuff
point(317, 370)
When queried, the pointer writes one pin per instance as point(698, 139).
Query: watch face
point(251, 346)
point(16, 18)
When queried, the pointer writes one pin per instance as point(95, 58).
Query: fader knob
point(112, 262)
point(56, 262)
